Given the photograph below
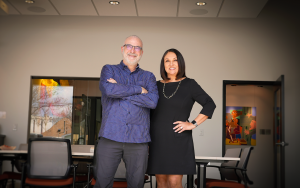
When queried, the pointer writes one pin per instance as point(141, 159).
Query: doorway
point(253, 115)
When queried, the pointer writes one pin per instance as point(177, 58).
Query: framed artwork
point(240, 125)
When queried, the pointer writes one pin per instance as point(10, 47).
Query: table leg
point(201, 175)
point(12, 169)
point(190, 180)
point(198, 175)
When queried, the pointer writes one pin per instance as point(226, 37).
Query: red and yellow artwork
point(240, 125)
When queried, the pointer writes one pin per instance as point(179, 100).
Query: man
point(128, 94)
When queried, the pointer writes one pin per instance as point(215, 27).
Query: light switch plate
point(201, 132)
point(15, 127)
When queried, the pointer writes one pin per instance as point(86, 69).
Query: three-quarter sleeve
point(200, 96)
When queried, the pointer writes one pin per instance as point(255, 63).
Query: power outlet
point(15, 127)
point(201, 132)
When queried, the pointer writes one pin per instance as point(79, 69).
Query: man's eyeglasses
point(136, 48)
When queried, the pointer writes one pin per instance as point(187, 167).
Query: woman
point(171, 151)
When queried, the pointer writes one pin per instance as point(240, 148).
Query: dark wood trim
point(29, 111)
point(223, 117)
point(282, 133)
point(247, 82)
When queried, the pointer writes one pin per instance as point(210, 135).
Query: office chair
point(228, 174)
point(11, 174)
point(240, 170)
point(49, 162)
point(81, 169)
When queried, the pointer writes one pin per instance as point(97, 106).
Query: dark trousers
point(109, 155)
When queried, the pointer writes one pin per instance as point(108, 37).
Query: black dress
point(170, 152)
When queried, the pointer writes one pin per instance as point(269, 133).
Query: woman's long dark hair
point(181, 65)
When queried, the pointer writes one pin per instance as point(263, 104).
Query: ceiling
point(138, 8)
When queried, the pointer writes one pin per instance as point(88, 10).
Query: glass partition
point(65, 108)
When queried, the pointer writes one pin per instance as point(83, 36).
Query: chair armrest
point(74, 166)
point(89, 165)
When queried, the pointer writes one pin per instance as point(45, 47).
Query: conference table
point(201, 162)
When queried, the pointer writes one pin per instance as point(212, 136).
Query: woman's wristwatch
point(194, 123)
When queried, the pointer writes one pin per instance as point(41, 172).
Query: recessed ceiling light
point(200, 3)
point(114, 2)
point(29, 1)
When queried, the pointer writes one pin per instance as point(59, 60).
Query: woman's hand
point(183, 126)
point(111, 80)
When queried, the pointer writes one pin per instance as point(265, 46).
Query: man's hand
point(144, 91)
point(111, 80)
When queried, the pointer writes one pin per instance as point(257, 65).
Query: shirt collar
point(125, 66)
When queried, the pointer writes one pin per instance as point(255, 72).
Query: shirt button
point(126, 123)
point(128, 112)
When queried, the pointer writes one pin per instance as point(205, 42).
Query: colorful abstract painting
point(240, 125)
point(51, 108)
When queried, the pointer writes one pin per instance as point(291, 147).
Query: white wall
point(214, 50)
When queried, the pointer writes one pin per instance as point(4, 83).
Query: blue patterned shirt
point(125, 111)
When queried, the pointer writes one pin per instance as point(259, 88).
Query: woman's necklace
point(172, 93)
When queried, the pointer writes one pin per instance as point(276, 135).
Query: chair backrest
point(244, 161)
point(230, 174)
point(49, 158)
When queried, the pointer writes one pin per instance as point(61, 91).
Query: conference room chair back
point(230, 174)
point(241, 171)
point(49, 163)
point(243, 163)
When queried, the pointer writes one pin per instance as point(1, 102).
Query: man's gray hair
point(135, 36)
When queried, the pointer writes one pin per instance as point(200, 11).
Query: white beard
point(133, 62)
